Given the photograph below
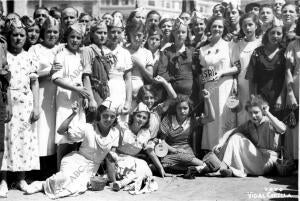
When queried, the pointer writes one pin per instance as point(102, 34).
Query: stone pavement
point(201, 188)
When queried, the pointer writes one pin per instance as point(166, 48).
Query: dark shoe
point(116, 186)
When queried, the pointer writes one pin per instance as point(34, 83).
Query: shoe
point(3, 190)
point(22, 185)
point(226, 172)
point(34, 187)
point(116, 186)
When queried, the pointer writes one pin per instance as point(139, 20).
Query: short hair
point(180, 99)
point(212, 20)
point(255, 101)
point(250, 6)
point(77, 13)
point(265, 38)
point(147, 124)
point(40, 8)
point(117, 11)
point(266, 6)
point(164, 21)
point(255, 19)
point(134, 27)
point(99, 111)
point(153, 12)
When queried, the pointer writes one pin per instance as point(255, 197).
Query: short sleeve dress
point(21, 151)
point(79, 166)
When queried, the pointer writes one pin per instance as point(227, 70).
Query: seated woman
point(123, 165)
point(79, 166)
point(176, 131)
point(251, 148)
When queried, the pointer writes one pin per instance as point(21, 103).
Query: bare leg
point(3, 185)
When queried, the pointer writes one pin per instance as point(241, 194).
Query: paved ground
point(202, 188)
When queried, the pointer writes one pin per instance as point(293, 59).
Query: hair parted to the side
point(255, 101)
point(102, 109)
point(255, 19)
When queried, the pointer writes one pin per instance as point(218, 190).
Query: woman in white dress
point(217, 78)
point(240, 54)
point(70, 86)
point(79, 166)
point(44, 54)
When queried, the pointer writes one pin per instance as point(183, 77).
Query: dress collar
point(176, 125)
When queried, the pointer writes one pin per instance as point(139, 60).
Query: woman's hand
point(83, 92)
point(137, 61)
point(35, 115)
point(179, 150)
point(8, 113)
point(216, 149)
point(291, 101)
point(160, 80)
point(126, 108)
point(205, 94)
point(278, 104)
point(55, 67)
point(218, 76)
point(75, 107)
point(92, 105)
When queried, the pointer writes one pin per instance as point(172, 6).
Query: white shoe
point(3, 190)
point(34, 187)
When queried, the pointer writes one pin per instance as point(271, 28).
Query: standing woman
point(21, 145)
point(70, 86)
point(142, 60)
point(44, 54)
point(240, 54)
point(198, 25)
point(233, 16)
point(266, 69)
point(33, 32)
point(292, 55)
point(266, 15)
point(175, 62)
point(217, 79)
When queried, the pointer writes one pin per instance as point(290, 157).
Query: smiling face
point(51, 35)
point(249, 27)
point(199, 26)
point(69, 17)
point(148, 99)
point(289, 14)
point(255, 114)
point(17, 38)
point(140, 119)
point(217, 28)
point(166, 28)
point(74, 41)
point(33, 34)
point(275, 35)
point(107, 118)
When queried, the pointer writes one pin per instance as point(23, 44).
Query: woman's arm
point(91, 98)
point(171, 92)
point(110, 165)
point(80, 90)
point(63, 128)
point(210, 113)
point(278, 125)
point(147, 71)
point(128, 84)
point(34, 85)
point(156, 161)
point(8, 108)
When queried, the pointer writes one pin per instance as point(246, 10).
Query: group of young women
point(91, 91)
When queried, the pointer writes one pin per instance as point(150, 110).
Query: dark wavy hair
point(151, 12)
point(102, 109)
point(212, 20)
point(143, 90)
point(255, 19)
point(180, 99)
point(134, 27)
point(255, 101)
point(265, 38)
point(130, 121)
